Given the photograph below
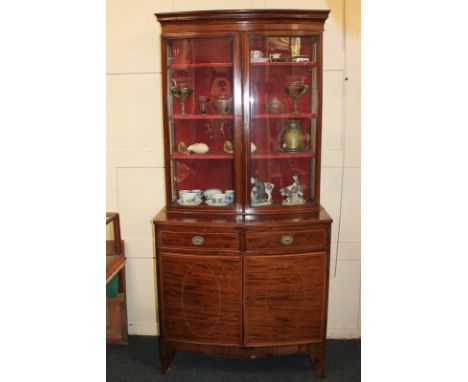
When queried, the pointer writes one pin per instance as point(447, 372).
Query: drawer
point(211, 240)
point(314, 238)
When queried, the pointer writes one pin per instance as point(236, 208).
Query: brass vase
point(293, 138)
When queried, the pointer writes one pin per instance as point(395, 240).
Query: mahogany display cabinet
point(243, 244)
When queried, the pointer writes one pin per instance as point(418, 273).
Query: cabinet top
point(241, 14)
point(243, 221)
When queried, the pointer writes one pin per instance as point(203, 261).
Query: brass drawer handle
point(287, 239)
point(198, 240)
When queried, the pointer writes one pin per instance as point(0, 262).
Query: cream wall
point(135, 166)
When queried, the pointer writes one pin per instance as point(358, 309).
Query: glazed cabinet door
point(203, 117)
point(282, 101)
point(285, 298)
point(201, 298)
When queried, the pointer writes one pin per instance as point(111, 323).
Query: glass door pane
point(283, 111)
point(200, 116)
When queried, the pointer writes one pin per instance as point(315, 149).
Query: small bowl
point(218, 198)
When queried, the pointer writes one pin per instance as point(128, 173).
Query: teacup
point(218, 198)
point(198, 192)
point(210, 192)
point(256, 54)
point(229, 196)
point(190, 198)
point(181, 192)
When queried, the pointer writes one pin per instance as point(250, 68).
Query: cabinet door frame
point(237, 122)
point(246, 123)
point(199, 259)
point(323, 301)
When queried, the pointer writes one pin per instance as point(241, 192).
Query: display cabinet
point(243, 244)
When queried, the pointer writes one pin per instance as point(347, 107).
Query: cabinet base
point(315, 351)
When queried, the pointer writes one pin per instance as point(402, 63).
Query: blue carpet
point(139, 361)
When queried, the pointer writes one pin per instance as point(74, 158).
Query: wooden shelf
point(114, 263)
point(279, 203)
point(283, 155)
point(208, 156)
point(290, 64)
point(285, 115)
point(200, 116)
point(202, 65)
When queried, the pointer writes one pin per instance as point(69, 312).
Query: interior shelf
point(281, 155)
point(200, 116)
point(202, 65)
point(285, 63)
point(178, 155)
point(285, 115)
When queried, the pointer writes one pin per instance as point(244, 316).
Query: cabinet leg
point(317, 356)
point(166, 355)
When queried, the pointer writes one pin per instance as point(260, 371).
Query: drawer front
point(316, 238)
point(211, 240)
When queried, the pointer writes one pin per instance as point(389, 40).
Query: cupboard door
point(285, 298)
point(283, 109)
point(202, 109)
point(201, 298)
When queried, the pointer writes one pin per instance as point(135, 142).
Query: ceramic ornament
point(198, 148)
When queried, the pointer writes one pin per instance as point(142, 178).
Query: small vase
point(294, 138)
point(203, 100)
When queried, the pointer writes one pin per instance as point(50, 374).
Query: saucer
point(212, 204)
point(265, 203)
point(260, 59)
point(189, 204)
point(300, 59)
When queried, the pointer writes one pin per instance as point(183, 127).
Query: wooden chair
point(116, 299)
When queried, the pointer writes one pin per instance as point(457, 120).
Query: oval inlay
point(201, 300)
point(285, 297)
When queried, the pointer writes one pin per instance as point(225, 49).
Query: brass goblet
point(181, 91)
point(295, 88)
